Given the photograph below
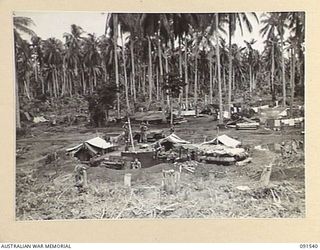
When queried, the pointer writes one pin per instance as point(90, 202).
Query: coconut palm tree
point(53, 58)
point(271, 58)
point(275, 24)
point(25, 66)
point(156, 25)
point(217, 36)
point(36, 45)
point(297, 36)
point(235, 19)
point(91, 59)
point(269, 30)
point(282, 25)
point(107, 55)
point(73, 59)
point(20, 26)
point(250, 60)
point(129, 23)
point(112, 30)
point(238, 65)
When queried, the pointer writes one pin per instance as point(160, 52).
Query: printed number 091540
point(308, 245)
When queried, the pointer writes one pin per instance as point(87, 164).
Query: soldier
point(81, 177)
point(126, 146)
point(143, 132)
point(136, 164)
point(126, 131)
point(172, 128)
point(157, 148)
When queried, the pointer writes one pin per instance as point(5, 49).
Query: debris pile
point(221, 154)
point(188, 166)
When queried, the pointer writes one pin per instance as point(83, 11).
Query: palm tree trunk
point(167, 71)
point(91, 83)
point(160, 62)
point(186, 72)
point(150, 71)
point(144, 81)
point(230, 66)
point(180, 73)
point(63, 89)
point(115, 39)
point(125, 74)
point(54, 83)
point(104, 71)
point(94, 78)
point(215, 83)
point(210, 82)
point(283, 74)
point(171, 112)
point(218, 63)
point(130, 84)
point(158, 89)
point(42, 86)
point(196, 82)
point(161, 79)
point(133, 72)
point(139, 79)
point(272, 74)
point(28, 85)
point(35, 70)
point(233, 78)
point(50, 86)
point(293, 73)
point(250, 79)
point(57, 81)
point(224, 80)
point(18, 121)
point(83, 83)
point(70, 85)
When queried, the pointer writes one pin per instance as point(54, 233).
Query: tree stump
point(170, 181)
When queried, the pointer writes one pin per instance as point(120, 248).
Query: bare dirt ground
point(45, 187)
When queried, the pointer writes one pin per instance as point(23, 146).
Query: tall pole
point(219, 73)
point(130, 131)
point(115, 39)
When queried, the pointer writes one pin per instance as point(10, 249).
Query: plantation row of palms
point(139, 52)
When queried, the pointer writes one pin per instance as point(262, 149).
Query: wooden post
point(265, 176)
point(170, 181)
point(85, 179)
point(130, 131)
point(127, 180)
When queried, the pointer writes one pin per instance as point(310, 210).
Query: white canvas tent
point(224, 140)
point(90, 148)
point(172, 140)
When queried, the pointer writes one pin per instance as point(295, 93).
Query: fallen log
point(189, 169)
point(219, 159)
point(244, 162)
point(247, 126)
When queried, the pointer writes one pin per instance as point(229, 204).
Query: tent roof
point(95, 142)
point(225, 140)
point(173, 138)
point(99, 143)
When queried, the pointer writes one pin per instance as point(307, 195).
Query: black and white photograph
point(159, 115)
